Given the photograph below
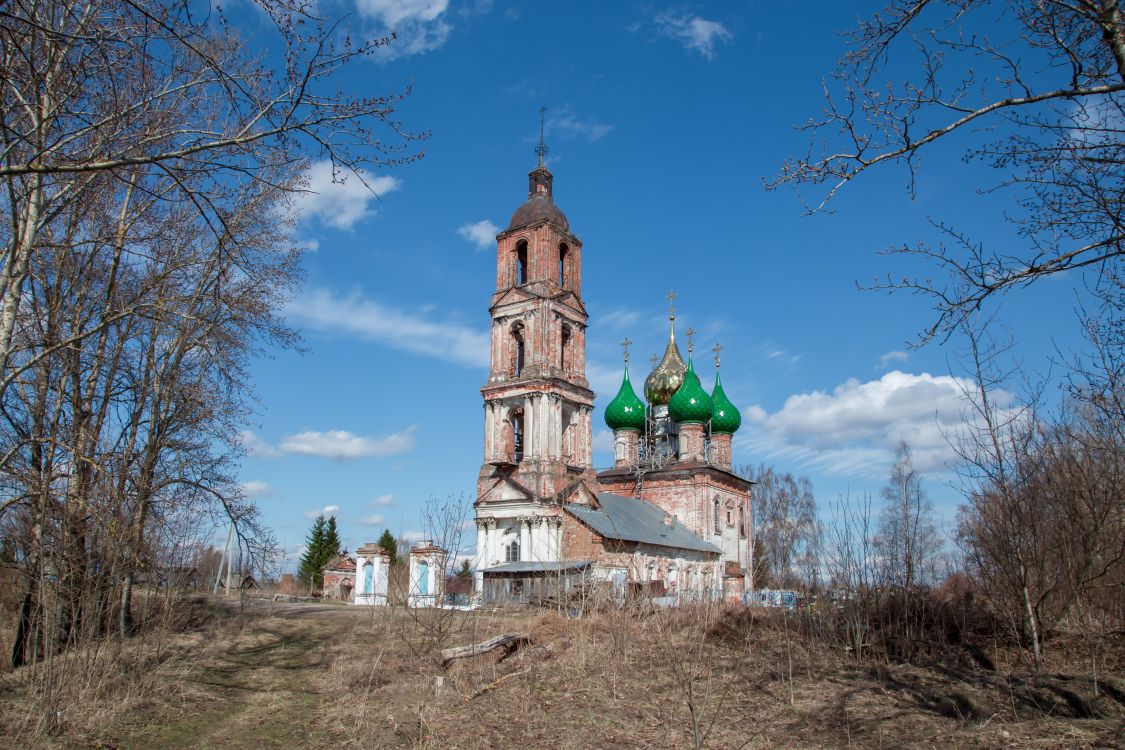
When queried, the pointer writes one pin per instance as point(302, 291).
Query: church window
point(563, 252)
point(564, 345)
point(741, 522)
point(521, 263)
point(520, 348)
point(512, 552)
point(517, 436)
point(718, 517)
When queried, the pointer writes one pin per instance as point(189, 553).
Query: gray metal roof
point(632, 520)
point(529, 566)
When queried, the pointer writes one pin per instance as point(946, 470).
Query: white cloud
point(693, 32)
point(255, 488)
point(618, 319)
point(603, 441)
point(783, 355)
point(853, 430)
point(606, 379)
point(400, 329)
point(342, 203)
point(566, 124)
point(481, 233)
point(327, 510)
point(392, 12)
point(410, 537)
point(343, 445)
point(895, 356)
point(384, 501)
point(419, 25)
point(255, 446)
point(374, 520)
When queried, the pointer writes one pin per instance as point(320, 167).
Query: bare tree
point(1042, 528)
point(908, 539)
point(1047, 78)
point(99, 88)
point(786, 530)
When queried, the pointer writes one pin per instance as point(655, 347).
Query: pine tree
point(465, 572)
point(388, 542)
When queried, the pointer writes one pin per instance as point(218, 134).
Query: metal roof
point(632, 520)
point(529, 566)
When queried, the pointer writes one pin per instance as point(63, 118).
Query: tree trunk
point(125, 617)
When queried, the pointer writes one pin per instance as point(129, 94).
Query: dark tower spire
point(541, 147)
point(540, 180)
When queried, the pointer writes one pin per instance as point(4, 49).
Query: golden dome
point(663, 382)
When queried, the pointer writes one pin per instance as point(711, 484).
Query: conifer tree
point(322, 545)
point(388, 542)
point(331, 539)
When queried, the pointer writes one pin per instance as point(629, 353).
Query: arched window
point(741, 521)
point(368, 578)
point(517, 435)
point(718, 517)
point(520, 349)
point(564, 346)
point(512, 552)
point(563, 252)
point(521, 263)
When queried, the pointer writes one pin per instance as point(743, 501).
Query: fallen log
point(508, 641)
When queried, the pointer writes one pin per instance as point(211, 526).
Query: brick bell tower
point(537, 402)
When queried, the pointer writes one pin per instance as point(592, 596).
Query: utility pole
point(225, 561)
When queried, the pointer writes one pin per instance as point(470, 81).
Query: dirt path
point(261, 691)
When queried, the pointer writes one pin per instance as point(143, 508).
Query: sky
point(662, 122)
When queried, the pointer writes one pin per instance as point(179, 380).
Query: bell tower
point(537, 401)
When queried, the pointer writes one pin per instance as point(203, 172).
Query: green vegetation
point(322, 545)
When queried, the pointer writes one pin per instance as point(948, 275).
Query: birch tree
point(907, 539)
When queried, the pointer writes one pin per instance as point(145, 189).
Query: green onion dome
point(691, 403)
point(725, 418)
point(625, 411)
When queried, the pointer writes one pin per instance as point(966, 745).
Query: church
point(669, 519)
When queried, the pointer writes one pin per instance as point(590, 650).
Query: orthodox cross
point(541, 148)
point(718, 348)
point(625, 345)
point(672, 305)
point(653, 360)
point(690, 333)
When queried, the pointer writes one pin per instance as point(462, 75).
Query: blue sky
point(662, 122)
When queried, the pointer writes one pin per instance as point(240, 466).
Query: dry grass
point(314, 676)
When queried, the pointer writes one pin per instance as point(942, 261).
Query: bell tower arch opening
point(521, 263)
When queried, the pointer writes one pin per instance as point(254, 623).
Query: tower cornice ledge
point(565, 232)
point(683, 469)
point(538, 385)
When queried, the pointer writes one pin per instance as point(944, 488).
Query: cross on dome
point(541, 147)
